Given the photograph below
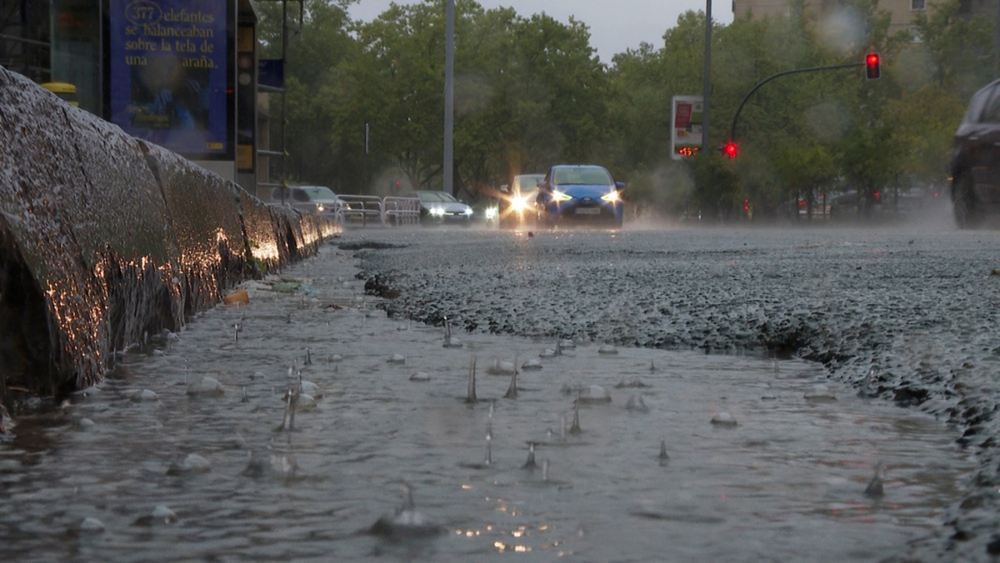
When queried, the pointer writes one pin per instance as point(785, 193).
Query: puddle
point(786, 483)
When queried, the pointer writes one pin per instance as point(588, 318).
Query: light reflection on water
point(786, 484)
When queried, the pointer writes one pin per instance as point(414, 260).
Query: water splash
point(636, 404)
point(866, 387)
point(406, 521)
point(575, 428)
point(512, 389)
point(875, 488)
point(449, 340)
point(291, 404)
point(470, 397)
point(530, 464)
point(489, 450)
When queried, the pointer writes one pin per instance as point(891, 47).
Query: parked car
point(517, 201)
point(975, 165)
point(581, 194)
point(313, 199)
point(439, 208)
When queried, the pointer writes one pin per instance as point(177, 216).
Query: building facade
point(179, 73)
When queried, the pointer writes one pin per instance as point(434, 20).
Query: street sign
point(686, 126)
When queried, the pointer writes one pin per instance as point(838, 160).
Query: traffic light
point(873, 66)
point(730, 149)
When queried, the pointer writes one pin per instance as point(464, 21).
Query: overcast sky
point(615, 25)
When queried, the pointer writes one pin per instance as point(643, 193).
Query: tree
point(528, 92)
point(937, 74)
point(954, 51)
point(313, 87)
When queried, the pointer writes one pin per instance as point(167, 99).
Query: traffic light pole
point(707, 74)
point(732, 128)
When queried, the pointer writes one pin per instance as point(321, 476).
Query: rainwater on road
point(158, 463)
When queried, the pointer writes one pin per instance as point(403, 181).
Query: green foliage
point(954, 51)
point(718, 189)
point(314, 87)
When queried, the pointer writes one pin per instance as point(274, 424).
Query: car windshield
point(436, 197)
point(582, 176)
point(527, 182)
point(319, 192)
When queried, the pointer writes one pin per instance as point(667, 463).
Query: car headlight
point(611, 197)
point(437, 211)
point(468, 211)
point(560, 196)
point(518, 203)
point(492, 213)
point(319, 208)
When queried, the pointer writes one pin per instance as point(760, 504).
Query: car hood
point(452, 207)
point(578, 191)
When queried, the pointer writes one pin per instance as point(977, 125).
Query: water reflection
point(205, 475)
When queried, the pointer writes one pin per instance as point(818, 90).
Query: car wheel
point(964, 202)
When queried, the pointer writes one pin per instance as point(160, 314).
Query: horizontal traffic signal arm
point(732, 128)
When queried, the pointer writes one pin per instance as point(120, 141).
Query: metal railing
point(364, 208)
point(372, 210)
point(400, 211)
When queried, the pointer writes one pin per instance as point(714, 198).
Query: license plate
point(588, 210)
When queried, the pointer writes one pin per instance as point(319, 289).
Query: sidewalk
point(391, 405)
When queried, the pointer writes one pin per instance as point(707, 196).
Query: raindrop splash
point(406, 521)
point(512, 389)
point(471, 395)
point(530, 464)
point(875, 488)
point(575, 428)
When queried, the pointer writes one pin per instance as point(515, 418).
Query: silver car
point(439, 208)
point(312, 199)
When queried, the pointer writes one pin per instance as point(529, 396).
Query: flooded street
point(161, 463)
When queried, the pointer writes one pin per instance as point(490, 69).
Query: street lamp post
point(449, 97)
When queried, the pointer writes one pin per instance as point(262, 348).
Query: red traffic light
point(731, 150)
point(873, 66)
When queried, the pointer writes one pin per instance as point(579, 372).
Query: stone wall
point(105, 239)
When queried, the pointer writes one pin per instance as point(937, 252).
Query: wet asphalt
point(906, 313)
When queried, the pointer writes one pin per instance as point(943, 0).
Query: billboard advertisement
point(686, 126)
point(171, 74)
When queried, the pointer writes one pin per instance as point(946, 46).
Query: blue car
point(580, 194)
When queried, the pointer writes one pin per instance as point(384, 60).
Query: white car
point(440, 207)
point(312, 199)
